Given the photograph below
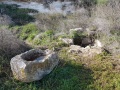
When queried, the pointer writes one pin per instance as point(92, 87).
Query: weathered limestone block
point(33, 64)
point(88, 51)
point(67, 41)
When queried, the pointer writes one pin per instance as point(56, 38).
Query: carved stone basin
point(33, 65)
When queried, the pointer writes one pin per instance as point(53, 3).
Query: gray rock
point(88, 51)
point(86, 41)
point(75, 49)
point(98, 44)
point(67, 41)
point(33, 65)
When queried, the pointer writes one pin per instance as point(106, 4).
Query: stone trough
point(88, 51)
point(33, 65)
point(84, 42)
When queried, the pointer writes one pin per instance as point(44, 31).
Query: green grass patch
point(28, 32)
point(70, 74)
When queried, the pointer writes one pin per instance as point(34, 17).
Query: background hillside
point(24, 28)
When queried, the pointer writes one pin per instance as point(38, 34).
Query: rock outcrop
point(33, 65)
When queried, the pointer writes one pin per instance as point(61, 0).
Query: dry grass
point(62, 23)
point(9, 44)
point(106, 19)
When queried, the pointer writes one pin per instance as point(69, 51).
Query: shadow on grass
point(18, 15)
point(66, 76)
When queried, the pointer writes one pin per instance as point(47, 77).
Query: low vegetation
point(101, 72)
point(18, 16)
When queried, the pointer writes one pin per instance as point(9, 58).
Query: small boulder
point(88, 51)
point(86, 41)
point(33, 65)
point(75, 49)
point(98, 44)
point(67, 41)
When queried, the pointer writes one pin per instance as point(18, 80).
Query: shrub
point(106, 18)
point(9, 44)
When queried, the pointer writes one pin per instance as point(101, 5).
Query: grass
point(65, 76)
point(72, 73)
point(26, 32)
